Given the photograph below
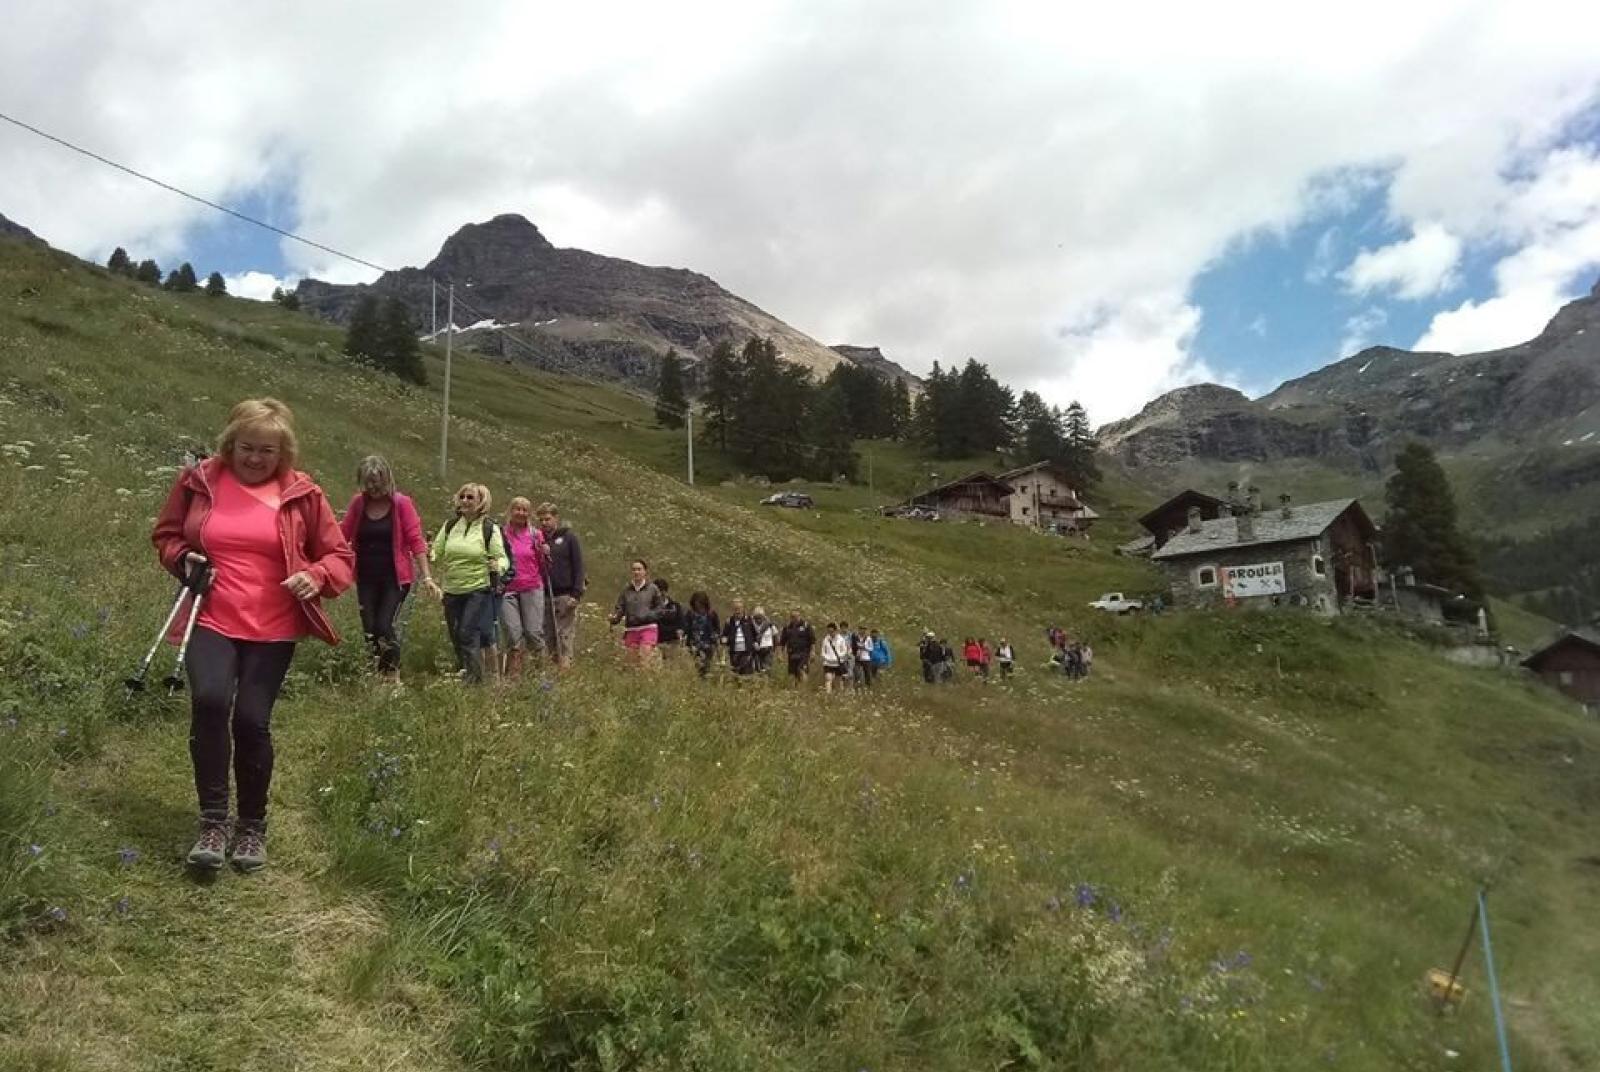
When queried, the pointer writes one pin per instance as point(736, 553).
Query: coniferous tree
point(362, 336)
point(1419, 529)
point(148, 272)
point(671, 400)
point(721, 394)
point(216, 286)
point(173, 281)
point(396, 340)
point(900, 409)
point(1082, 447)
point(286, 298)
point(119, 262)
point(832, 438)
point(1041, 436)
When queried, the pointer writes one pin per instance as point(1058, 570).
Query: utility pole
point(433, 296)
point(444, 422)
point(871, 490)
point(688, 413)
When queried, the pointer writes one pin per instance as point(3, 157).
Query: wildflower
point(1114, 912)
point(121, 905)
point(1085, 895)
point(35, 850)
point(963, 882)
point(79, 631)
point(57, 913)
point(1241, 959)
point(128, 857)
point(494, 847)
point(61, 731)
point(655, 802)
point(1053, 904)
point(396, 832)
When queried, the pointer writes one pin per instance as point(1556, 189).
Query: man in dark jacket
point(567, 580)
point(797, 640)
point(669, 621)
point(931, 654)
point(739, 635)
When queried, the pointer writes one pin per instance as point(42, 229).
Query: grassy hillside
point(1238, 846)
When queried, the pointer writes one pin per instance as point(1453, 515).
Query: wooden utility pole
point(444, 421)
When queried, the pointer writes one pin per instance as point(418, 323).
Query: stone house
point(1322, 555)
point(1571, 663)
point(1042, 496)
point(1172, 516)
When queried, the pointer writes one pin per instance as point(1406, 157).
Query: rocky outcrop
point(871, 358)
point(18, 233)
point(568, 309)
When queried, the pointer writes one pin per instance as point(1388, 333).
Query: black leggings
point(232, 687)
point(380, 606)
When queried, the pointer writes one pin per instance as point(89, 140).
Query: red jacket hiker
point(311, 538)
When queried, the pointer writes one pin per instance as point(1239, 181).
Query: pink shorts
point(643, 636)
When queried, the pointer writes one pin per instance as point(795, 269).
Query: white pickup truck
point(1114, 603)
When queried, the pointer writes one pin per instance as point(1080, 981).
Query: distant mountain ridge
point(575, 311)
point(9, 229)
point(1356, 412)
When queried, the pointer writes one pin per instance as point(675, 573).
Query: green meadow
point(1239, 845)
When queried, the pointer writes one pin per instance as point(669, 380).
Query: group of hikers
point(257, 548)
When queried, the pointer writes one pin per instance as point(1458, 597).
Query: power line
point(540, 355)
point(192, 197)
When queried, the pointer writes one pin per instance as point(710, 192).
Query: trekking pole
point(199, 582)
point(135, 684)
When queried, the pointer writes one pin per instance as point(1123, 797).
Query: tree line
point(751, 398)
point(181, 280)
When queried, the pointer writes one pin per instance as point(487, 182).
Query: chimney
point(1283, 502)
point(1195, 522)
point(1233, 496)
point(1253, 500)
point(1244, 518)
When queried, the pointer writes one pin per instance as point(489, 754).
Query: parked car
point(794, 500)
point(1114, 603)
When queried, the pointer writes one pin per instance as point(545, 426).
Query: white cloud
point(257, 286)
point(1419, 266)
point(1360, 329)
point(942, 180)
point(1551, 218)
point(1321, 266)
point(1258, 326)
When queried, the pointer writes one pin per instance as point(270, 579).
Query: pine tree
point(172, 282)
point(119, 262)
point(188, 282)
point(671, 400)
point(399, 352)
point(900, 409)
point(721, 394)
point(1041, 436)
point(1082, 447)
point(216, 286)
point(289, 299)
point(148, 272)
point(362, 335)
point(1419, 529)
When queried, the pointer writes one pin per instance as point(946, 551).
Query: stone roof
point(1582, 637)
point(1303, 523)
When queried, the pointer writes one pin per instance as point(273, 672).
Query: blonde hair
point(516, 501)
point(375, 465)
point(266, 414)
point(483, 499)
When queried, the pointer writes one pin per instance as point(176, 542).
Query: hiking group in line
point(256, 548)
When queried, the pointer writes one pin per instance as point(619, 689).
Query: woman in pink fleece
point(382, 526)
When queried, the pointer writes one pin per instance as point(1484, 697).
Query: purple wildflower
point(494, 846)
point(128, 857)
point(1241, 959)
point(57, 913)
point(1085, 895)
point(121, 905)
point(547, 685)
point(396, 832)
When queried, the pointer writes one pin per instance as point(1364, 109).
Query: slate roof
point(1305, 522)
point(1586, 638)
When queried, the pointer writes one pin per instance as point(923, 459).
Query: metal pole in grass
point(444, 421)
point(1494, 984)
point(688, 413)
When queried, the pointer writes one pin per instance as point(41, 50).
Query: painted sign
point(1262, 579)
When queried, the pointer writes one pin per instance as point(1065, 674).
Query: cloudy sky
point(1102, 202)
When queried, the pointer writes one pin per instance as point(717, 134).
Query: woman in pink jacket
point(382, 526)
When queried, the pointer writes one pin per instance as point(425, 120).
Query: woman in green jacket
point(469, 560)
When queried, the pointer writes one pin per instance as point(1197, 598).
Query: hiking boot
point(210, 850)
point(249, 847)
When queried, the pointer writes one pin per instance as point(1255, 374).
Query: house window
point(1024, 511)
point(1565, 677)
point(1318, 566)
point(1206, 577)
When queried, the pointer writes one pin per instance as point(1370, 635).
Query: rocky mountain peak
point(871, 357)
point(504, 245)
